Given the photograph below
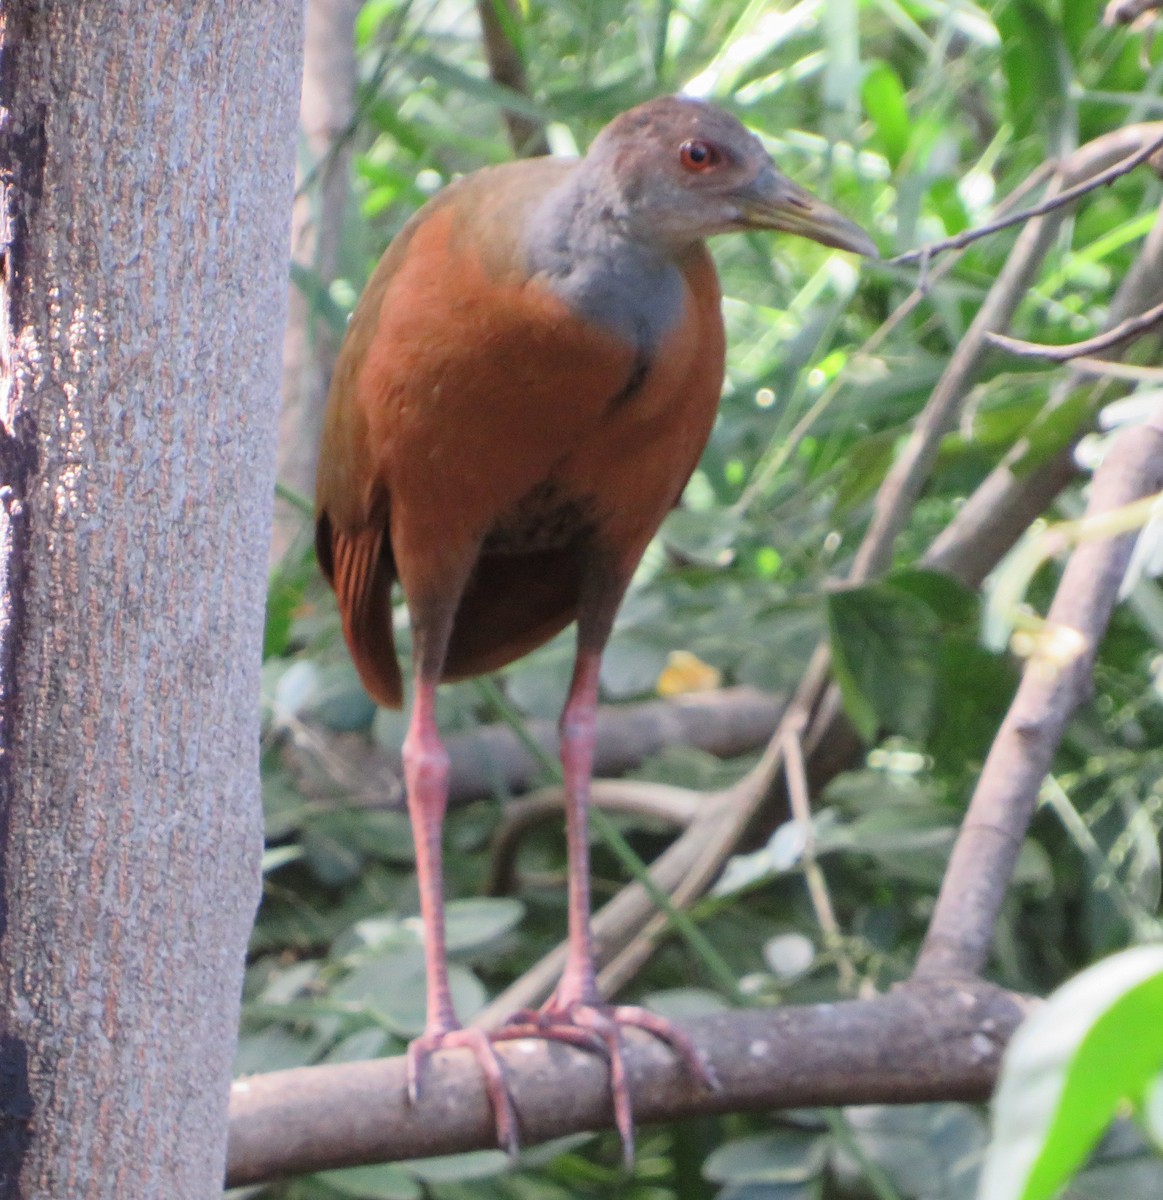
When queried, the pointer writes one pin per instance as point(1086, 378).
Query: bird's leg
point(578, 983)
point(576, 1003)
point(426, 778)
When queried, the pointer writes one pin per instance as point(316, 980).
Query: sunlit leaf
point(1094, 1046)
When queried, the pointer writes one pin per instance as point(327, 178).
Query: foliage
point(1094, 1050)
point(915, 117)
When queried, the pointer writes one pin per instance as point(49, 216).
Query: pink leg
point(426, 778)
point(576, 1004)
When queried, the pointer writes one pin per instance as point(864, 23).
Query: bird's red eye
point(699, 156)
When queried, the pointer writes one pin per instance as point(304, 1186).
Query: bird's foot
point(593, 1025)
point(481, 1045)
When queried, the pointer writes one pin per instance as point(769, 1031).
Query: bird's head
point(684, 170)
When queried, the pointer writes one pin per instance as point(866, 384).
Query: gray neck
point(579, 245)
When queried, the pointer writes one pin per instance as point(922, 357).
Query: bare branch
point(1055, 682)
point(1055, 201)
point(659, 802)
point(1109, 369)
point(921, 1043)
point(507, 68)
point(898, 494)
point(1122, 332)
point(1011, 496)
point(797, 786)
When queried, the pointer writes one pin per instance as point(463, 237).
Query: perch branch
point(920, 1043)
point(1056, 680)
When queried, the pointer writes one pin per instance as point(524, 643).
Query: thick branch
point(1057, 679)
point(726, 723)
point(326, 111)
point(921, 1043)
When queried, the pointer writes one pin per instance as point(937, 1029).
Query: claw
point(481, 1045)
point(598, 1028)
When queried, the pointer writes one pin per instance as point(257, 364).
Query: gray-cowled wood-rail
point(524, 390)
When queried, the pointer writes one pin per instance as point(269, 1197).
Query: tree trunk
point(311, 344)
point(146, 172)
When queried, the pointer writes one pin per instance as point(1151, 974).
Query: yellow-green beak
point(773, 201)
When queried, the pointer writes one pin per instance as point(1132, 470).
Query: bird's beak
point(772, 201)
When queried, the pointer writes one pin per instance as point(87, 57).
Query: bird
point(523, 391)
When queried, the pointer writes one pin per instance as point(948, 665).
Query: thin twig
point(913, 466)
point(1109, 369)
point(968, 236)
point(1122, 332)
point(767, 470)
point(801, 807)
point(1009, 498)
point(638, 798)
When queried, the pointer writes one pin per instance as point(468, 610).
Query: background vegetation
point(916, 118)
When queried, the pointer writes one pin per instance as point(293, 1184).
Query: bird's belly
point(544, 518)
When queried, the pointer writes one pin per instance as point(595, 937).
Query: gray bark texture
point(146, 167)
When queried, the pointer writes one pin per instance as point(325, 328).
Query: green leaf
point(631, 666)
point(1033, 60)
point(925, 1150)
point(887, 107)
point(1151, 1111)
point(783, 1156)
point(458, 1168)
point(884, 646)
point(477, 922)
point(1092, 1047)
point(682, 1003)
point(391, 987)
point(384, 1181)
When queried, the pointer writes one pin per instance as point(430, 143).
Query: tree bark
point(146, 179)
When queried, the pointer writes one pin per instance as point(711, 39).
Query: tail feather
point(361, 572)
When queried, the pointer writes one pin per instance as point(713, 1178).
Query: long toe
point(496, 1088)
point(598, 1028)
point(666, 1031)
